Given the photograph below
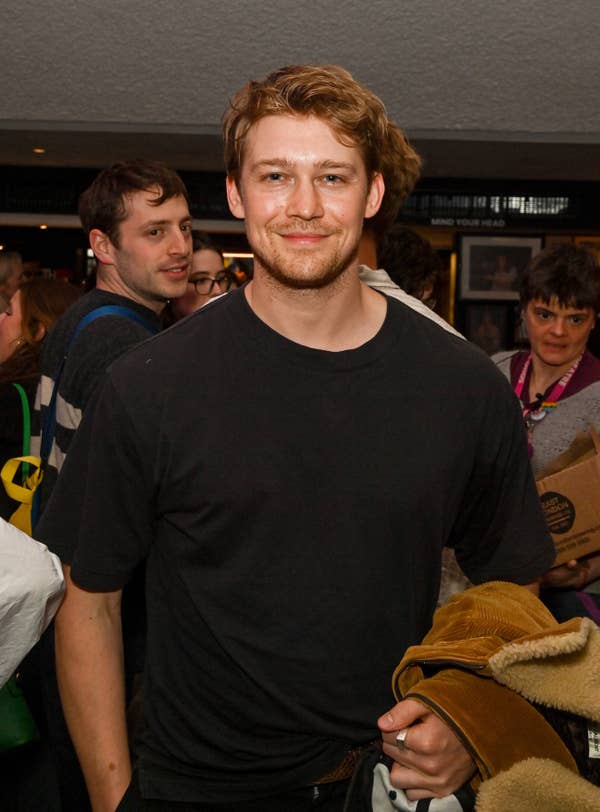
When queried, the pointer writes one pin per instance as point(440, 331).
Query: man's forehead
point(281, 137)
point(145, 200)
point(138, 197)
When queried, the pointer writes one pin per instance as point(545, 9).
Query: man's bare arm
point(89, 665)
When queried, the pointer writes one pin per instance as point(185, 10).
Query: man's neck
point(109, 280)
point(342, 316)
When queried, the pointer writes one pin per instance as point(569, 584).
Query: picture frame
point(490, 266)
point(489, 325)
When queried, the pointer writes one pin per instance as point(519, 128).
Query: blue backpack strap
point(111, 310)
point(105, 310)
point(49, 425)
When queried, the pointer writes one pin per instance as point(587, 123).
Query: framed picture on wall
point(488, 324)
point(490, 266)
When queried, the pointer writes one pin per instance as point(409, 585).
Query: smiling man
point(294, 554)
point(304, 211)
point(138, 223)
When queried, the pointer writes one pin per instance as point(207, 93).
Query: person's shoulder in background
point(381, 281)
point(31, 587)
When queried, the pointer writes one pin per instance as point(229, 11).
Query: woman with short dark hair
point(557, 381)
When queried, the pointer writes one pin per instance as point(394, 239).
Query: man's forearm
point(89, 664)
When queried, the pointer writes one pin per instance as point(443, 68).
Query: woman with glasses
point(208, 279)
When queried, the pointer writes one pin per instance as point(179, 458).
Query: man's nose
point(304, 200)
point(180, 243)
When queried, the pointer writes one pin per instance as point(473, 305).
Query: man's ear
point(40, 333)
point(101, 246)
point(234, 198)
point(375, 195)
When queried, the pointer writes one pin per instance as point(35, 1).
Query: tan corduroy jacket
point(493, 650)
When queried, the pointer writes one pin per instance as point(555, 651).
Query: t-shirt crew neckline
point(117, 298)
point(249, 327)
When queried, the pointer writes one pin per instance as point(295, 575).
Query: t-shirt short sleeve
point(99, 517)
point(500, 532)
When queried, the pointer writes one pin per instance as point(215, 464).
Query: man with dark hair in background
point(292, 556)
point(137, 219)
point(414, 266)
point(407, 268)
point(411, 262)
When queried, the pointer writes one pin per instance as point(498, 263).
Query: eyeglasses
point(204, 283)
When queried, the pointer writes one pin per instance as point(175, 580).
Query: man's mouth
point(301, 238)
point(177, 270)
point(308, 239)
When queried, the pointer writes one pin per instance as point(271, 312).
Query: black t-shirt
point(292, 505)
point(95, 348)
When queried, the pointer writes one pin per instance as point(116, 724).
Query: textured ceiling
point(487, 89)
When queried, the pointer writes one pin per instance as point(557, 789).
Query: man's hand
point(432, 762)
point(572, 575)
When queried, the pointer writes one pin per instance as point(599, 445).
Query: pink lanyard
point(555, 394)
point(533, 416)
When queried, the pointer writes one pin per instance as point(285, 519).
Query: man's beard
point(280, 268)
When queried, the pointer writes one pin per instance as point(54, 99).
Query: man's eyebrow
point(269, 163)
point(284, 163)
point(165, 221)
point(330, 164)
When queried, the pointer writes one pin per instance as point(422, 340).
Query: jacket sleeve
point(31, 587)
point(450, 673)
point(496, 725)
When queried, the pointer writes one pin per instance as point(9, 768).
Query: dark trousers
point(322, 797)
point(43, 776)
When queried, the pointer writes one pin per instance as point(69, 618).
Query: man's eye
point(576, 320)
point(186, 227)
point(154, 232)
point(544, 315)
point(332, 179)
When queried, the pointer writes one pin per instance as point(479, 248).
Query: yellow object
point(23, 493)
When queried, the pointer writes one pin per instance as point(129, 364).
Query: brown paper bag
point(569, 489)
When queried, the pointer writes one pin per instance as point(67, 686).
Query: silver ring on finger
point(401, 739)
